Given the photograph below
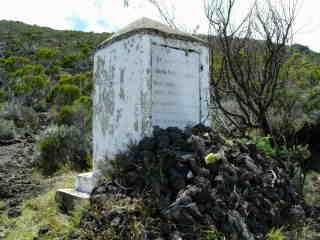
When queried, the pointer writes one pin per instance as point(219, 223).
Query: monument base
point(68, 198)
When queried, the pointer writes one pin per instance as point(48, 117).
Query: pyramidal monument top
point(149, 26)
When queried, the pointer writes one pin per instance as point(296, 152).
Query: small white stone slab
point(68, 198)
point(74, 193)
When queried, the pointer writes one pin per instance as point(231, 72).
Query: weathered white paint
point(122, 96)
point(142, 81)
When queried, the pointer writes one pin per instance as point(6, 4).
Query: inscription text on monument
point(175, 87)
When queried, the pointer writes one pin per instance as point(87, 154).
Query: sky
point(112, 15)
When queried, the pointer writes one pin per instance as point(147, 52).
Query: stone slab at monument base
point(69, 198)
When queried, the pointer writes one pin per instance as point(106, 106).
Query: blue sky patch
point(103, 23)
point(77, 23)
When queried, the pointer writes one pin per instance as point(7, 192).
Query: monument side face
point(180, 82)
point(122, 96)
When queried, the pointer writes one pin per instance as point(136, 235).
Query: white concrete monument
point(146, 75)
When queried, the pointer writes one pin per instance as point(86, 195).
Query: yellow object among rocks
point(211, 158)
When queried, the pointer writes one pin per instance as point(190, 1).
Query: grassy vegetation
point(42, 211)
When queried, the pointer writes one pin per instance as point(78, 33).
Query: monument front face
point(175, 87)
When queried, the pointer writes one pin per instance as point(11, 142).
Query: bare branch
point(254, 51)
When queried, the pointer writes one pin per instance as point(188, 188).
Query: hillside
point(19, 39)
point(45, 81)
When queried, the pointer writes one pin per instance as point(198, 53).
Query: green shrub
point(85, 100)
point(31, 87)
point(263, 143)
point(298, 156)
point(69, 60)
point(81, 80)
point(62, 146)
point(3, 95)
point(65, 78)
point(53, 69)
point(23, 117)
point(40, 106)
point(64, 94)
point(213, 234)
point(13, 62)
point(295, 153)
point(276, 234)
point(46, 53)
point(7, 129)
point(66, 115)
point(312, 102)
point(78, 114)
point(30, 83)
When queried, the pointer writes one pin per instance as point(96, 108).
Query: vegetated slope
point(19, 39)
point(39, 63)
point(43, 72)
point(45, 78)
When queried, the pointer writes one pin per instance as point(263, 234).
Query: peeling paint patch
point(119, 115)
point(137, 47)
point(104, 99)
point(146, 111)
point(122, 86)
point(136, 125)
point(136, 117)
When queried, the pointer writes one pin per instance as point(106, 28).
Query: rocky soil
point(166, 187)
point(16, 171)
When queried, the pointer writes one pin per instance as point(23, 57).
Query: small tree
point(64, 94)
point(247, 58)
point(62, 146)
point(29, 84)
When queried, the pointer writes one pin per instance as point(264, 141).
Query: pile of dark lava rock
point(163, 188)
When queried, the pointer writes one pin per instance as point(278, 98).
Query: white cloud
point(110, 15)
